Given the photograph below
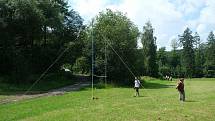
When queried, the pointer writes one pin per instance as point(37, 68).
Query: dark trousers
point(181, 95)
point(137, 91)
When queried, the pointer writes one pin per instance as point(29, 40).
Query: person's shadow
point(140, 96)
point(192, 101)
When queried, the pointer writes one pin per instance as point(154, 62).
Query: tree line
point(34, 32)
point(195, 59)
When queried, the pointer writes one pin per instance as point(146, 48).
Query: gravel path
point(60, 91)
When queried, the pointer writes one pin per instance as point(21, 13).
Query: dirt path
point(60, 91)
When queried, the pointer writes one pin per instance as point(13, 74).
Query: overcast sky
point(168, 17)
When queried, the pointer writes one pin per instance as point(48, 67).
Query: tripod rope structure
point(119, 56)
point(92, 65)
point(126, 66)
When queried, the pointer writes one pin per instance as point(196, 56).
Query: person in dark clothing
point(181, 91)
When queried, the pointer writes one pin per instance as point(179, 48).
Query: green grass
point(159, 101)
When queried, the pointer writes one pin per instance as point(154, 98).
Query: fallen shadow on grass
point(141, 96)
point(149, 85)
point(146, 85)
point(19, 93)
point(154, 85)
point(190, 101)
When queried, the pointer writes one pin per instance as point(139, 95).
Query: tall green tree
point(199, 56)
point(140, 66)
point(175, 64)
point(117, 33)
point(149, 49)
point(162, 61)
point(162, 57)
point(210, 55)
point(187, 41)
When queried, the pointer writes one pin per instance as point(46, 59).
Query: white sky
point(168, 17)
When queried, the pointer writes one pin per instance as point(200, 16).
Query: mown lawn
point(158, 101)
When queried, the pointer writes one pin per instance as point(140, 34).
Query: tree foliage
point(117, 33)
point(34, 33)
point(210, 56)
point(187, 41)
point(149, 50)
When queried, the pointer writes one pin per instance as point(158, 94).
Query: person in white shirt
point(137, 86)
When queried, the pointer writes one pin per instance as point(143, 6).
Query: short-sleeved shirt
point(180, 87)
point(137, 83)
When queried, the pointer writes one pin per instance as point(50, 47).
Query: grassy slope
point(51, 81)
point(158, 102)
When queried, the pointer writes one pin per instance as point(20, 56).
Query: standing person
point(181, 91)
point(170, 78)
point(137, 86)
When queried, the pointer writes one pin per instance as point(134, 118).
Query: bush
point(81, 66)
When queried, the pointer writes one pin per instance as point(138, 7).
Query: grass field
point(158, 101)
